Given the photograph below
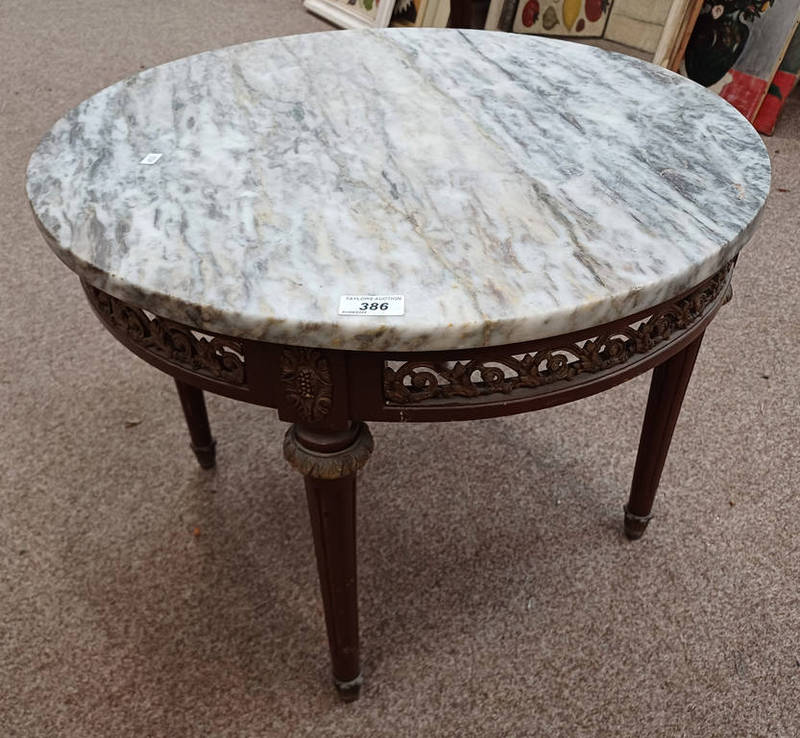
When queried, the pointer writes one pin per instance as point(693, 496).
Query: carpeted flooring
point(498, 595)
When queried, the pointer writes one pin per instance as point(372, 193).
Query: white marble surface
point(509, 187)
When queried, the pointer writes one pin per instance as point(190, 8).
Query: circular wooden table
point(403, 225)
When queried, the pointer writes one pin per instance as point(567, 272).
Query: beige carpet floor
point(499, 597)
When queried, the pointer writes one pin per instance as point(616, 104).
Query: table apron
point(328, 389)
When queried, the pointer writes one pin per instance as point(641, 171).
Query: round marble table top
point(508, 187)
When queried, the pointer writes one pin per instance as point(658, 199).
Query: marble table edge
point(372, 336)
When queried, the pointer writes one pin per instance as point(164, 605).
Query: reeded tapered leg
point(329, 462)
point(667, 389)
point(194, 408)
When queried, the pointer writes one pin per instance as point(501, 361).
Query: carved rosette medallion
point(306, 379)
point(410, 382)
point(218, 358)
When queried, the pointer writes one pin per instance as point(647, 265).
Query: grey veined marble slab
point(509, 187)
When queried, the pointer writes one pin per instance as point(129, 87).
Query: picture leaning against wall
point(353, 13)
point(736, 47)
point(562, 17)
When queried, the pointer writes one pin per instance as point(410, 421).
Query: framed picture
point(410, 12)
point(736, 47)
point(500, 16)
point(677, 30)
point(585, 18)
point(353, 13)
point(784, 81)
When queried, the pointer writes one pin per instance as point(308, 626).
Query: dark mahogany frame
point(329, 394)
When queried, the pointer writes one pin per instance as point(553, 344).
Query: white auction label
point(372, 305)
point(150, 159)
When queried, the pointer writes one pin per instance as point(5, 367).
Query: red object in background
point(782, 84)
point(745, 93)
point(530, 13)
point(594, 10)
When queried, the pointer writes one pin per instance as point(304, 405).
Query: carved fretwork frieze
point(417, 381)
point(307, 384)
point(219, 358)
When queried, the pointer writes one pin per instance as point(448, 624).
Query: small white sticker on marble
point(150, 159)
point(372, 305)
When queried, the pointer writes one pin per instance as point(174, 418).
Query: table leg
point(194, 408)
point(667, 389)
point(329, 462)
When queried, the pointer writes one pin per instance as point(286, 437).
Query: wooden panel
point(783, 83)
point(635, 33)
point(677, 30)
point(652, 11)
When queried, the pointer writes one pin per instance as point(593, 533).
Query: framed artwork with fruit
point(353, 13)
point(562, 17)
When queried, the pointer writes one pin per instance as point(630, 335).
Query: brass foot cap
point(350, 690)
point(206, 455)
point(635, 525)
